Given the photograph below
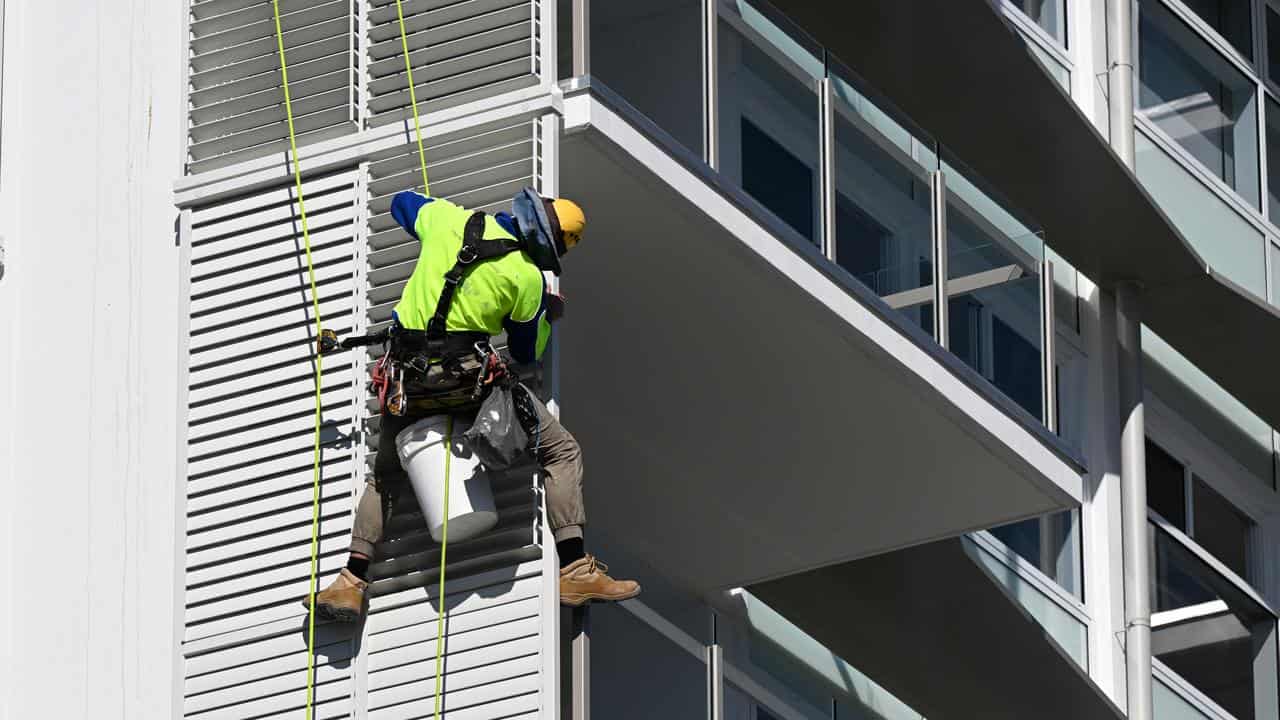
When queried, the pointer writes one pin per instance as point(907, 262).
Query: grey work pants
point(557, 452)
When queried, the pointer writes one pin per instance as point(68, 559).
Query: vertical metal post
point(1133, 456)
point(715, 678)
point(1048, 351)
point(1120, 77)
point(581, 37)
point(938, 209)
point(1133, 504)
point(710, 85)
point(581, 691)
point(827, 166)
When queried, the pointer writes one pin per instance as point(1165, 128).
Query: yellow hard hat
point(571, 220)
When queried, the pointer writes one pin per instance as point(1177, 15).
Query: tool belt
point(417, 376)
point(434, 370)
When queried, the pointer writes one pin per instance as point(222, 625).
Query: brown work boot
point(343, 600)
point(585, 579)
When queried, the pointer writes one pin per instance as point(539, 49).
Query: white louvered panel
point(250, 428)
point(460, 51)
point(236, 101)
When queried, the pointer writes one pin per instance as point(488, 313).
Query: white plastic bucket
point(424, 448)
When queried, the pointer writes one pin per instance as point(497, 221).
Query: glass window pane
point(882, 215)
point(634, 43)
point(1273, 45)
point(1275, 275)
point(1059, 71)
point(1231, 18)
point(1221, 641)
point(1196, 97)
point(1220, 528)
point(1228, 242)
point(1273, 152)
point(1070, 633)
point(1048, 14)
point(1168, 705)
point(1166, 486)
point(768, 125)
point(1050, 543)
point(993, 266)
point(639, 674)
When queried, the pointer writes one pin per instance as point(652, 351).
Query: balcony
point(762, 337)
point(811, 336)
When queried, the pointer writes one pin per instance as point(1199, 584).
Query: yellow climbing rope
point(413, 102)
point(444, 530)
point(315, 310)
point(315, 306)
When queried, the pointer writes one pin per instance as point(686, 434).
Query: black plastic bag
point(497, 437)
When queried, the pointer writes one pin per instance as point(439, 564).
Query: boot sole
point(332, 613)
point(580, 599)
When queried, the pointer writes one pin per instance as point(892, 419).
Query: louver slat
point(249, 448)
point(236, 103)
point(459, 51)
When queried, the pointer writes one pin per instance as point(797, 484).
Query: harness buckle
point(468, 254)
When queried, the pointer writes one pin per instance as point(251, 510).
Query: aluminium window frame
point(1037, 578)
point(1059, 50)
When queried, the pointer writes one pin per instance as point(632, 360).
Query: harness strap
point(475, 249)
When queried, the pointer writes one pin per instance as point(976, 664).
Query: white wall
point(92, 124)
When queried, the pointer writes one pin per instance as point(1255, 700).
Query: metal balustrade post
point(710, 85)
point(1048, 354)
point(581, 671)
point(938, 210)
point(581, 38)
point(827, 166)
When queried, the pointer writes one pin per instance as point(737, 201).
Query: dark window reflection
point(1166, 486)
point(1220, 528)
point(778, 179)
point(1231, 18)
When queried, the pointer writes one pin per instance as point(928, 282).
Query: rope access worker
point(504, 288)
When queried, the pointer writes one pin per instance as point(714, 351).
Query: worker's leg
point(378, 501)
point(561, 460)
point(582, 578)
point(343, 600)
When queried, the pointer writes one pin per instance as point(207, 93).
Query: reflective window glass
point(1220, 641)
point(1048, 14)
point(639, 674)
point(1166, 486)
point(768, 91)
point(1273, 45)
point(1272, 112)
point(1275, 274)
point(1198, 99)
point(1049, 543)
point(882, 215)
point(993, 266)
point(633, 45)
point(1220, 528)
point(1231, 18)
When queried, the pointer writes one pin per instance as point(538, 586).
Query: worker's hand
point(555, 307)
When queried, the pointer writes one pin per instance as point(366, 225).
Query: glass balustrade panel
point(768, 113)
point(882, 199)
point(650, 54)
point(1209, 631)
